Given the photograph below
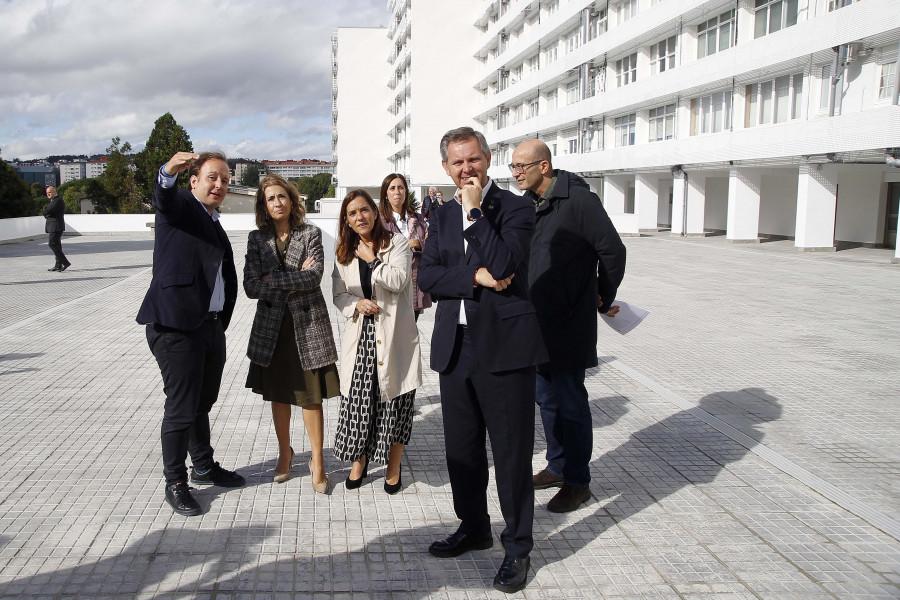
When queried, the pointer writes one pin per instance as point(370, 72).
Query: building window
point(533, 64)
point(662, 56)
point(625, 130)
point(716, 35)
point(517, 115)
point(774, 15)
point(888, 80)
point(711, 114)
point(597, 24)
point(533, 108)
point(551, 54)
point(825, 92)
point(573, 42)
point(626, 70)
point(774, 101)
point(503, 119)
point(572, 92)
point(662, 123)
point(573, 146)
point(836, 4)
point(552, 7)
point(551, 100)
point(626, 10)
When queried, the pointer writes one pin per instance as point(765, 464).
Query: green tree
point(38, 190)
point(167, 138)
point(15, 194)
point(250, 177)
point(314, 187)
point(118, 181)
point(72, 191)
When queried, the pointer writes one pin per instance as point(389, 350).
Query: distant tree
point(251, 176)
point(118, 181)
point(413, 203)
point(167, 138)
point(15, 194)
point(314, 187)
point(72, 191)
point(39, 190)
point(331, 191)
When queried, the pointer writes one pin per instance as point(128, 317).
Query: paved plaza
point(746, 446)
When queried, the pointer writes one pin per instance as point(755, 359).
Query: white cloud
point(245, 75)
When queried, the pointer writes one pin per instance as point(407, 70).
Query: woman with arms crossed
point(291, 346)
point(380, 365)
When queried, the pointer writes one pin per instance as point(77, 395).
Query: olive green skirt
point(285, 381)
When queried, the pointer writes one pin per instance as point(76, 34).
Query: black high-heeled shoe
point(393, 488)
point(352, 484)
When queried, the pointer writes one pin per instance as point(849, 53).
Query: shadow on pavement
point(660, 460)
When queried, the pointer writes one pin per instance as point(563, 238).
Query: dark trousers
point(473, 401)
point(191, 363)
point(55, 244)
point(566, 416)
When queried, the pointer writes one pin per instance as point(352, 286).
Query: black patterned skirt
point(366, 425)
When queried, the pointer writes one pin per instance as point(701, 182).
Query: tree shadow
point(662, 459)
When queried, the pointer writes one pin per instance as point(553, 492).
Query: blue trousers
point(566, 416)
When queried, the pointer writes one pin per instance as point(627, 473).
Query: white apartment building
point(71, 171)
point(294, 169)
point(750, 117)
point(95, 168)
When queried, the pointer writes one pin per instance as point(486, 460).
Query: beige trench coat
point(397, 337)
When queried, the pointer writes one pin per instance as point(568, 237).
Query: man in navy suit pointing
point(186, 311)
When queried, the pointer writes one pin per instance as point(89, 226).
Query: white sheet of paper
point(629, 317)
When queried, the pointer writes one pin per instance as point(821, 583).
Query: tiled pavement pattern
point(796, 352)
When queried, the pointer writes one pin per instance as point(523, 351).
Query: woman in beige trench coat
point(380, 366)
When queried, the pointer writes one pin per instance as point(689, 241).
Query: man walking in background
point(55, 225)
point(577, 264)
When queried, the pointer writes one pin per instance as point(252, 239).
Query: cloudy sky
point(251, 78)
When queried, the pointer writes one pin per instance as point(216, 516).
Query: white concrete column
point(646, 201)
point(679, 203)
point(743, 206)
point(614, 189)
point(816, 205)
point(696, 204)
point(896, 258)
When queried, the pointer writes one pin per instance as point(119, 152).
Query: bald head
point(534, 149)
point(531, 166)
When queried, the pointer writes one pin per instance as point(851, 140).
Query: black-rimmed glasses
point(520, 168)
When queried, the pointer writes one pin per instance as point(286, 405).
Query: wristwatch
point(475, 214)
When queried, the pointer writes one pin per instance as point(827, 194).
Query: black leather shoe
point(512, 575)
point(55, 268)
point(568, 498)
point(460, 543)
point(216, 475)
point(64, 267)
point(179, 497)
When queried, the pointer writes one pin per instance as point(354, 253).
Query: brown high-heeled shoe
point(282, 477)
point(319, 487)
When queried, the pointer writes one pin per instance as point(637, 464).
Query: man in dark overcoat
point(577, 264)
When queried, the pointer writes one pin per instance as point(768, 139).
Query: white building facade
point(751, 118)
point(71, 171)
point(294, 169)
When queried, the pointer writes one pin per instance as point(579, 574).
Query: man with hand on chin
point(186, 311)
point(485, 345)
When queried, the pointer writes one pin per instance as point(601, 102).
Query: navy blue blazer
point(503, 326)
point(187, 252)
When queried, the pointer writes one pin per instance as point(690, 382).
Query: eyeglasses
point(520, 169)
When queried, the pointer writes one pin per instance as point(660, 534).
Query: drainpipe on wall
point(836, 78)
point(684, 206)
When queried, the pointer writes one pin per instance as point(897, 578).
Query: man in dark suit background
point(186, 311)
point(486, 344)
point(429, 203)
point(55, 225)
